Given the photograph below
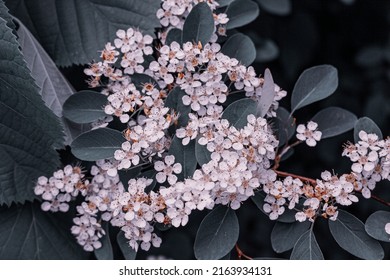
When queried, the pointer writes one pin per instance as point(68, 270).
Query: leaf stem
point(241, 254)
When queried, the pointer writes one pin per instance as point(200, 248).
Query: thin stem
point(241, 254)
point(283, 152)
point(305, 179)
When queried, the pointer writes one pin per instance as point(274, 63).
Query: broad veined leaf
point(267, 94)
point(241, 47)
point(105, 252)
point(217, 234)
point(97, 144)
point(54, 88)
point(85, 106)
point(284, 125)
point(174, 35)
point(237, 112)
point(241, 12)
point(368, 125)
point(29, 131)
point(285, 235)
point(185, 155)
point(307, 248)
point(72, 31)
point(26, 232)
point(314, 84)
point(199, 25)
point(201, 153)
point(349, 233)
point(375, 225)
point(276, 7)
point(175, 101)
point(128, 252)
point(333, 121)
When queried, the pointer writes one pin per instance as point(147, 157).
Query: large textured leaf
point(217, 234)
point(28, 233)
point(85, 106)
point(237, 112)
point(375, 225)
point(241, 12)
point(199, 25)
point(276, 7)
point(29, 131)
point(284, 235)
point(334, 121)
point(241, 47)
point(126, 250)
point(97, 144)
point(349, 233)
point(307, 248)
point(368, 125)
point(72, 31)
point(185, 155)
point(54, 88)
point(314, 84)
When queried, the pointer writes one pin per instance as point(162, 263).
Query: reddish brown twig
point(303, 179)
point(241, 254)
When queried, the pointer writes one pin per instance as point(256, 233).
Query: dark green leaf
point(237, 112)
point(307, 248)
point(128, 252)
point(314, 84)
point(375, 225)
point(241, 12)
point(285, 235)
point(174, 35)
point(54, 88)
point(284, 125)
point(97, 144)
point(349, 233)
point(201, 153)
point(199, 25)
point(266, 50)
point(334, 121)
point(174, 101)
point(29, 131)
point(368, 126)
point(217, 234)
point(267, 94)
point(4, 14)
point(85, 106)
point(105, 252)
point(241, 47)
point(73, 31)
point(224, 3)
point(26, 232)
point(276, 7)
point(185, 155)
point(126, 175)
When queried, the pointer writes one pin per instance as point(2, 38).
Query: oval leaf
point(105, 252)
point(174, 35)
point(72, 31)
point(241, 47)
point(266, 50)
point(307, 248)
point(217, 234)
point(284, 235)
point(368, 125)
point(185, 155)
point(334, 121)
point(237, 112)
point(375, 225)
point(349, 233)
point(199, 25)
point(224, 3)
point(85, 106)
point(97, 144)
point(201, 153)
point(29, 131)
point(175, 101)
point(285, 125)
point(276, 7)
point(314, 84)
point(267, 94)
point(128, 252)
point(241, 12)
point(26, 232)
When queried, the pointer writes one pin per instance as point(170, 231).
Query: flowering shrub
point(179, 124)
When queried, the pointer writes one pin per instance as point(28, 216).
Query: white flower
point(167, 169)
point(310, 134)
point(387, 228)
